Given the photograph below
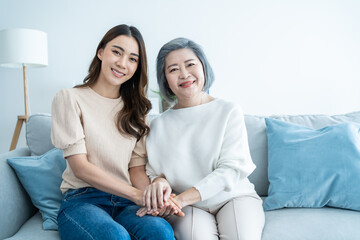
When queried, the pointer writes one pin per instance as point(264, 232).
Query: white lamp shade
point(23, 47)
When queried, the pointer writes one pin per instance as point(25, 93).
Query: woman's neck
point(104, 90)
point(194, 101)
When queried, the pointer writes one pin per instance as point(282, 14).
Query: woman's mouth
point(117, 73)
point(187, 84)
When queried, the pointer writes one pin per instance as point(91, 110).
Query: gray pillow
point(38, 134)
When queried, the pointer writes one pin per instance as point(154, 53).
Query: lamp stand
point(21, 118)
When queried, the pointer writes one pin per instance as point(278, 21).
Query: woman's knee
point(72, 227)
point(196, 225)
point(160, 229)
point(241, 218)
point(146, 227)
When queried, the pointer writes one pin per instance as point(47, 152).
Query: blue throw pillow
point(313, 168)
point(41, 177)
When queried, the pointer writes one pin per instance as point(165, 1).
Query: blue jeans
point(88, 213)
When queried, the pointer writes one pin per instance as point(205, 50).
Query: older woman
point(199, 149)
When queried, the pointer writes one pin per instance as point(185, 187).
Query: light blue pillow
point(41, 177)
point(313, 168)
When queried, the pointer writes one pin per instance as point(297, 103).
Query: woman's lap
point(87, 221)
point(93, 214)
point(197, 224)
point(240, 218)
point(146, 227)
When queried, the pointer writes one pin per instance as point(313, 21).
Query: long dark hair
point(131, 118)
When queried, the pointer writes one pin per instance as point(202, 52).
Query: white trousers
point(240, 218)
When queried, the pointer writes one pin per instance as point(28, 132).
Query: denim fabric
point(88, 213)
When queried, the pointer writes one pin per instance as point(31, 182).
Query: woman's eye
point(191, 64)
point(173, 70)
point(116, 52)
point(133, 59)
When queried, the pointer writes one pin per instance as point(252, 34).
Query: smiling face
point(119, 61)
point(185, 74)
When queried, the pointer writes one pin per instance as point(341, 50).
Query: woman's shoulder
point(159, 118)
point(69, 97)
point(70, 93)
point(73, 91)
point(228, 106)
point(166, 118)
point(217, 105)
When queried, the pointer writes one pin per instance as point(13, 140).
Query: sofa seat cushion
point(32, 230)
point(311, 223)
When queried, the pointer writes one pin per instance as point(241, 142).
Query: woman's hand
point(138, 199)
point(171, 207)
point(156, 194)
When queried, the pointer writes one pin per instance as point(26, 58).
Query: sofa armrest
point(15, 204)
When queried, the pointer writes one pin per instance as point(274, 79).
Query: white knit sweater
point(205, 147)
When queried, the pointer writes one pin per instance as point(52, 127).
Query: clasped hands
point(159, 201)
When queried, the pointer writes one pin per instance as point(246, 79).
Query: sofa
point(20, 219)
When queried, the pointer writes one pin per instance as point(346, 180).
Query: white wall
point(271, 56)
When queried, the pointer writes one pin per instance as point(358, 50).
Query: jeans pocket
point(73, 193)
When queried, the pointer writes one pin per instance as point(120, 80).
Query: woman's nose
point(184, 73)
point(121, 62)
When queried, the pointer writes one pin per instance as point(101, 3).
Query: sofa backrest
point(38, 130)
point(256, 129)
point(38, 133)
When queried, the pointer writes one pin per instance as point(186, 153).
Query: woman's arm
point(101, 180)
point(138, 177)
point(188, 197)
point(234, 162)
point(137, 171)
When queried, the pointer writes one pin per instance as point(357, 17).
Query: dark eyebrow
point(172, 65)
point(123, 50)
point(189, 60)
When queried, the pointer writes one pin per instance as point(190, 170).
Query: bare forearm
point(107, 183)
point(138, 177)
point(101, 180)
point(188, 197)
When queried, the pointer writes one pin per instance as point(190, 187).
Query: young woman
point(100, 126)
point(206, 160)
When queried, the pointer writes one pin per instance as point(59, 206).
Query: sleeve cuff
point(137, 161)
point(78, 148)
point(206, 192)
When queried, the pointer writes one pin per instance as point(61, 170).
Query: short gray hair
point(176, 44)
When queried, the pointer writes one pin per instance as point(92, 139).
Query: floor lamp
point(23, 48)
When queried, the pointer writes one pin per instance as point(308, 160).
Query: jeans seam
point(113, 207)
point(76, 194)
point(133, 236)
point(76, 224)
